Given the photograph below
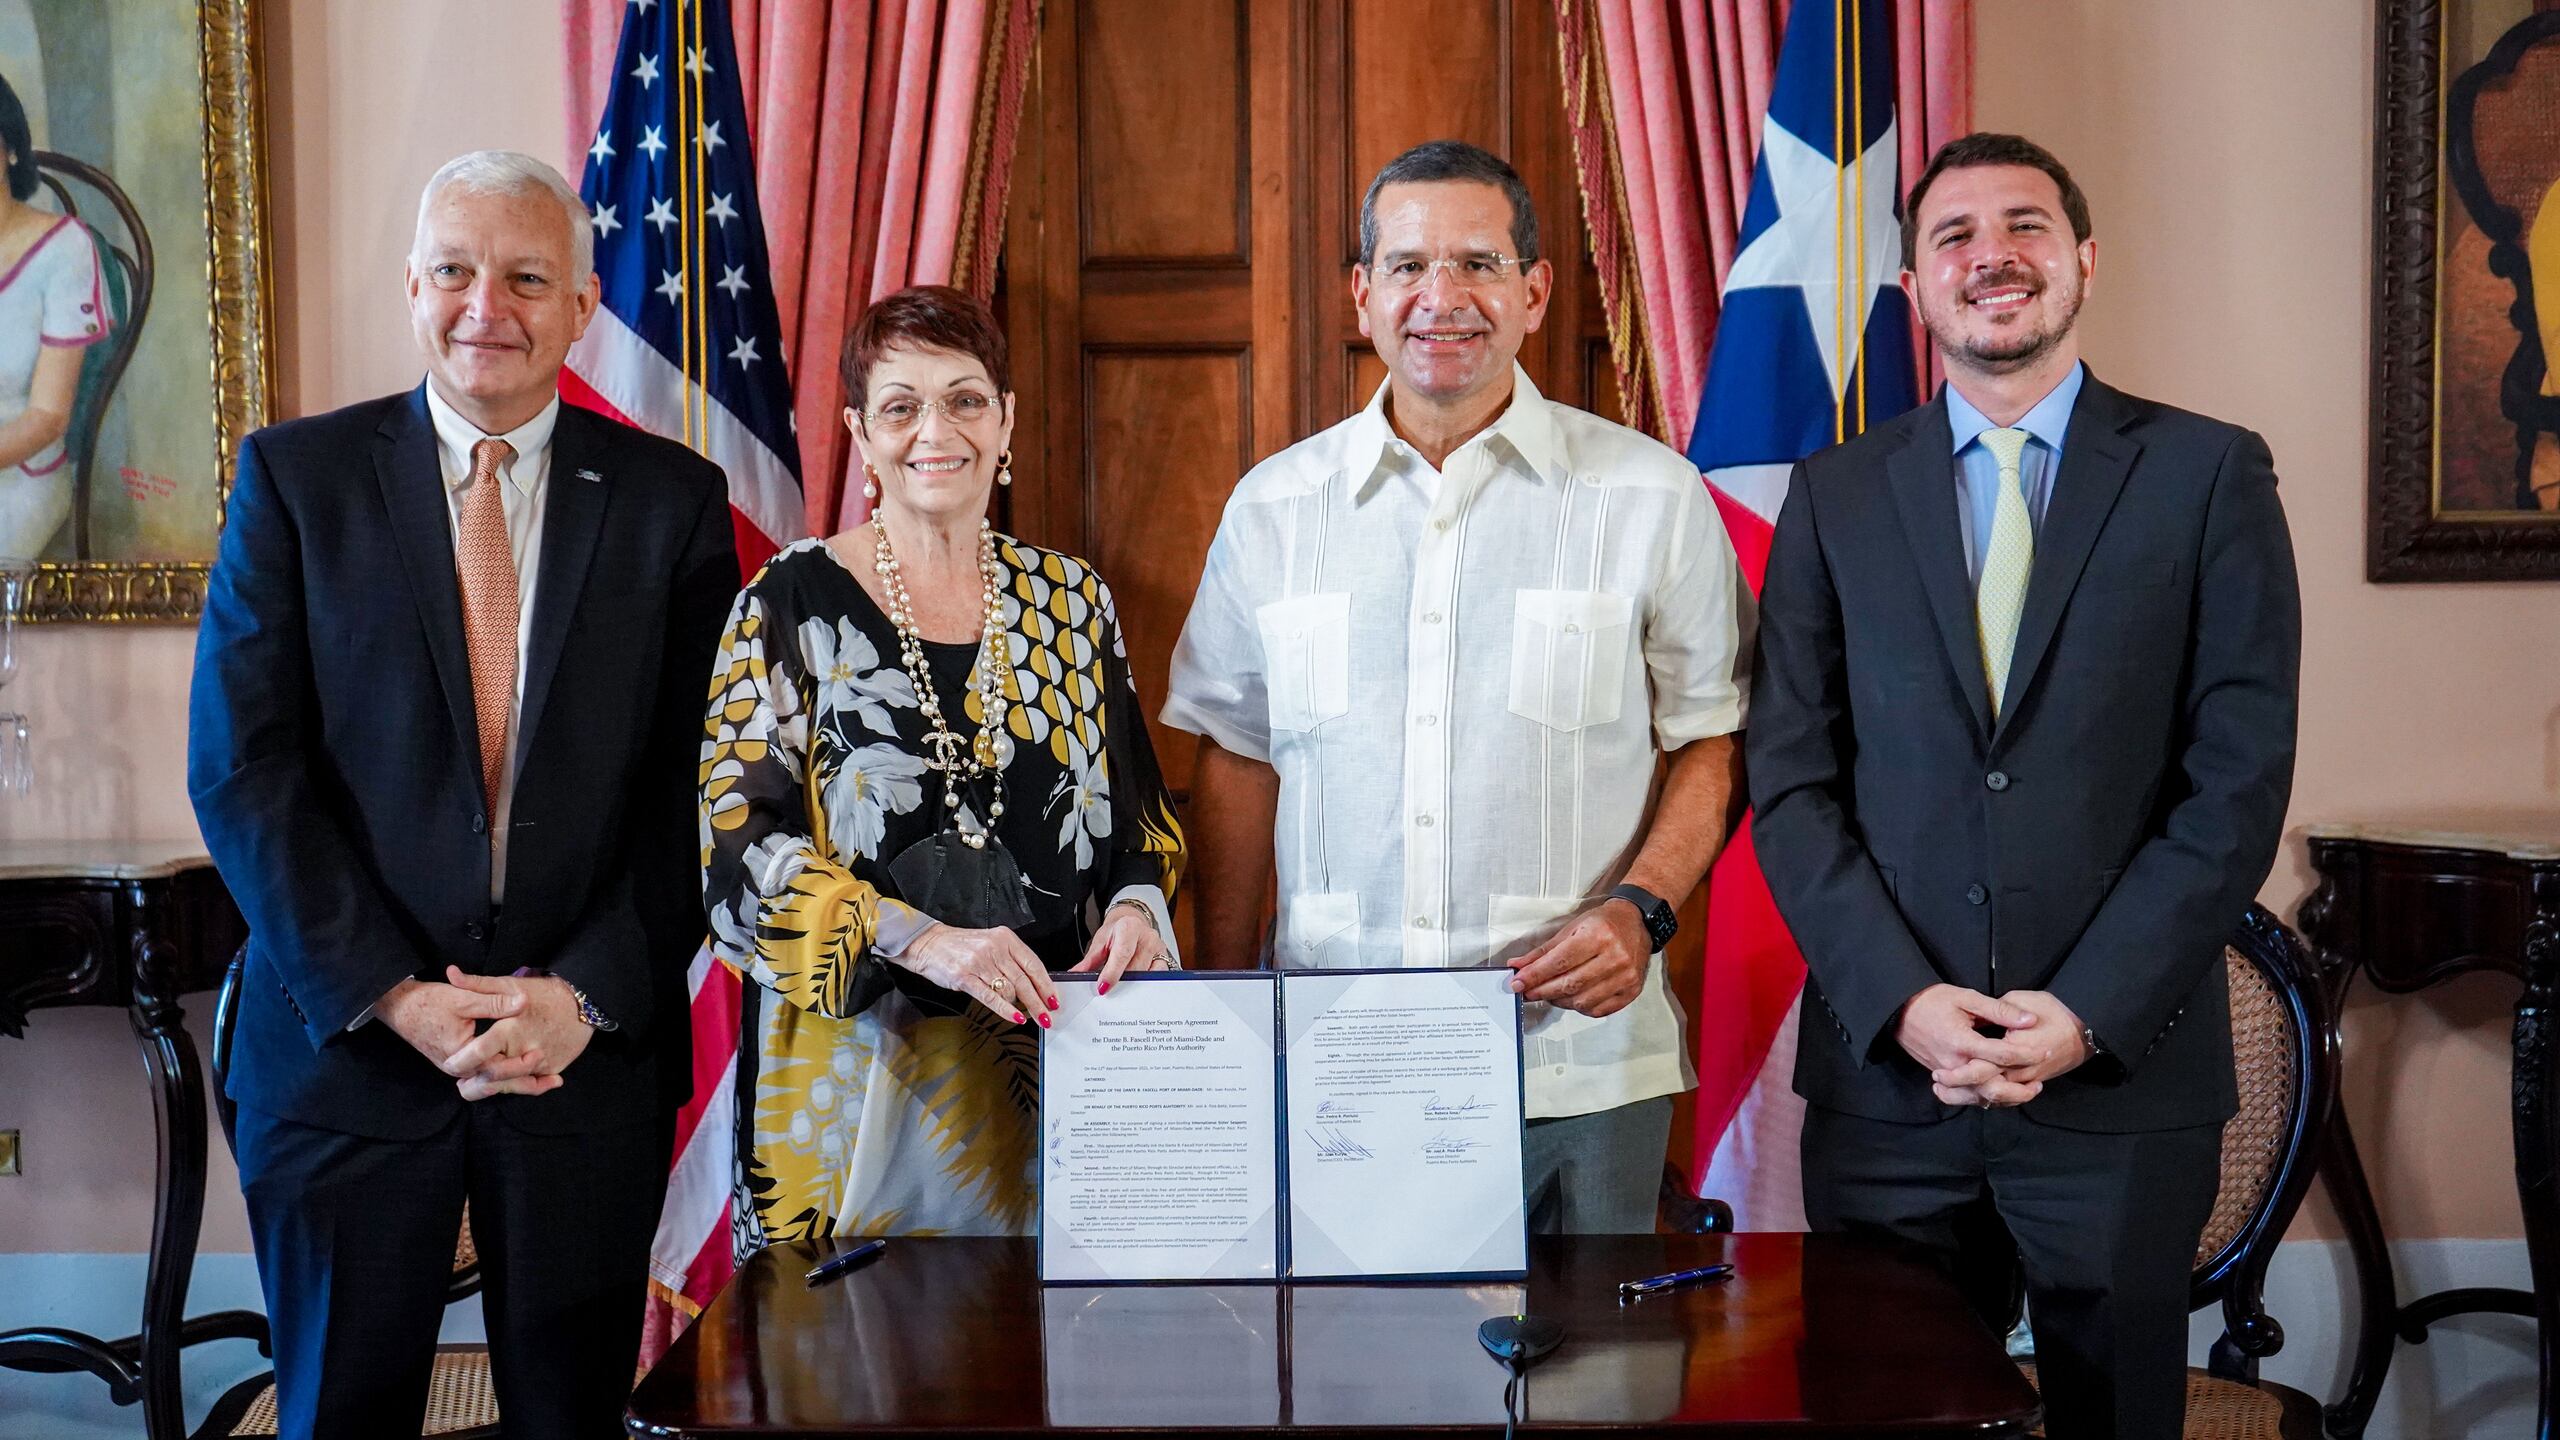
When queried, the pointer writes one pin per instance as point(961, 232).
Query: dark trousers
point(355, 1240)
point(1596, 1174)
point(2104, 1226)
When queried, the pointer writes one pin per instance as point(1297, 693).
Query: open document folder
point(1310, 1124)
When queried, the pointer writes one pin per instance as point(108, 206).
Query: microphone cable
point(1517, 1363)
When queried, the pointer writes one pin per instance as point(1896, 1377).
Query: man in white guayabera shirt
point(1437, 661)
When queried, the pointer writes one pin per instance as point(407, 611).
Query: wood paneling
point(1163, 112)
point(1416, 70)
point(1165, 438)
point(1600, 379)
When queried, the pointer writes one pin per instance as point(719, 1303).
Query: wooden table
point(2408, 905)
point(132, 925)
point(1815, 1336)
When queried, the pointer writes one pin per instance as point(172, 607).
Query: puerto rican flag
point(1814, 344)
point(688, 344)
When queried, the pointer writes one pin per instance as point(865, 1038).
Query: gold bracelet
point(1145, 911)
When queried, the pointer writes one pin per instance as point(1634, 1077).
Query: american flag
point(688, 343)
point(1814, 345)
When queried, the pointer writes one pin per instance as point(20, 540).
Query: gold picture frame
point(234, 252)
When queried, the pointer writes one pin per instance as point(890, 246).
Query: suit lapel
point(413, 494)
point(1923, 476)
point(572, 519)
point(2096, 458)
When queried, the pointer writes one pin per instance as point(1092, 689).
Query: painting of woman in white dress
point(133, 295)
point(52, 308)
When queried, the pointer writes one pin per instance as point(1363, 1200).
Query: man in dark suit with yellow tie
point(448, 699)
point(2021, 740)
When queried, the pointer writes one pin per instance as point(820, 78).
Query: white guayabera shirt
point(1464, 678)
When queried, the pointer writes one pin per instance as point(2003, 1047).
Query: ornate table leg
point(2537, 1113)
point(177, 1104)
point(2331, 921)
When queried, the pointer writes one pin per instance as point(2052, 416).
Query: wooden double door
point(1184, 220)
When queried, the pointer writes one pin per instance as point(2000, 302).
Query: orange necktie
point(489, 611)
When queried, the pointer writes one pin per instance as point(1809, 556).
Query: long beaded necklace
point(956, 761)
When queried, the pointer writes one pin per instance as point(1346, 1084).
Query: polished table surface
point(1815, 1335)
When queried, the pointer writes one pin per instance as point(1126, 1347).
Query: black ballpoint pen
point(1656, 1284)
point(828, 1270)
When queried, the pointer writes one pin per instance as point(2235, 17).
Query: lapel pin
point(589, 475)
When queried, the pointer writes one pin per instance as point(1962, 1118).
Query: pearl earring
point(1004, 467)
point(870, 483)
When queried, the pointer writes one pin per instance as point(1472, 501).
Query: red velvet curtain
point(884, 145)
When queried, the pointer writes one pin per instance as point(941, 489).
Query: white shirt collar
point(1527, 425)
point(455, 436)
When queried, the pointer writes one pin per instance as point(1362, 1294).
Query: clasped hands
point(534, 1032)
point(1967, 1067)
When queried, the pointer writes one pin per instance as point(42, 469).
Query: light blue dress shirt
point(1978, 471)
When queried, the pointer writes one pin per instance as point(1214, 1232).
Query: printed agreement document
point(1404, 1110)
point(1163, 1107)
point(1157, 1117)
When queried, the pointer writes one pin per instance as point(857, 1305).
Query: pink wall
point(363, 102)
point(2226, 151)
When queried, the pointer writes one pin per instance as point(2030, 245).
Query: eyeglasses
point(1472, 271)
point(896, 416)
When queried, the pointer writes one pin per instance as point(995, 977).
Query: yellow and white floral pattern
point(864, 1108)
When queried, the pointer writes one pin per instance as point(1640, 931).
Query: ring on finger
point(999, 984)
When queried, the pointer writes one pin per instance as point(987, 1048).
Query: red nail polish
point(1102, 989)
point(1044, 1022)
point(1018, 1017)
point(1053, 1002)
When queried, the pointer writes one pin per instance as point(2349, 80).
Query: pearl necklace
point(946, 754)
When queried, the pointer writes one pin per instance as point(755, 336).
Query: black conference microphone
point(1518, 1341)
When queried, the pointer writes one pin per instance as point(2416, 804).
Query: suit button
point(1975, 895)
point(476, 930)
point(1997, 780)
point(479, 824)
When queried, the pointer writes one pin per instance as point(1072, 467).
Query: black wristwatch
point(1660, 923)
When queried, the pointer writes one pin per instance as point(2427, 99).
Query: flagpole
point(697, 303)
point(1858, 139)
point(1839, 219)
point(684, 224)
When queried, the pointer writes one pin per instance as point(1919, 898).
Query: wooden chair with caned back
point(461, 1403)
point(2284, 1044)
point(127, 274)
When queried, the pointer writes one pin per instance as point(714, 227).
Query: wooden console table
point(2408, 906)
point(133, 925)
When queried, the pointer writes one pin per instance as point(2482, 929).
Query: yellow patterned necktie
point(487, 565)
point(2002, 592)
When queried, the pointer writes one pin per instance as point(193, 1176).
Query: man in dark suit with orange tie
point(2021, 740)
point(448, 699)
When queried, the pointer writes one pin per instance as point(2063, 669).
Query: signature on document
point(1334, 1145)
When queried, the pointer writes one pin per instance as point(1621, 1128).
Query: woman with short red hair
point(927, 785)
